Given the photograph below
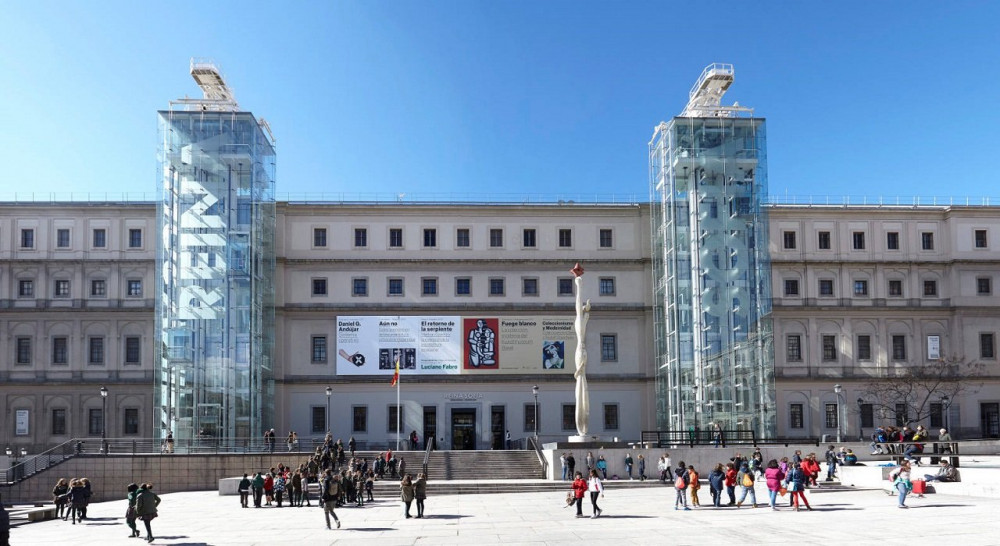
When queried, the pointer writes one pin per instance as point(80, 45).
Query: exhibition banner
point(431, 345)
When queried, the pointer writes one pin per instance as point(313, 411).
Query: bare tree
point(913, 388)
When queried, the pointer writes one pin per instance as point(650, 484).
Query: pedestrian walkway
point(641, 515)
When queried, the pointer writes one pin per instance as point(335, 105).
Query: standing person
point(258, 489)
point(331, 490)
point(579, 490)
point(695, 485)
point(279, 487)
point(402, 466)
point(602, 467)
point(352, 444)
point(717, 434)
point(290, 441)
point(571, 463)
point(642, 468)
point(796, 484)
point(269, 487)
point(4, 526)
point(170, 442)
point(831, 463)
point(745, 478)
point(244, 489)
point(716, 481)
point(731, 483)
point(130, 515)
point(77, 500)
point(562, 463)
point(295, 498)
point(596, 488)
point(774, 476)
point(680, 484)
point(146, 503)
point(406, 494)
point(590, 462)
point(507, 440)
point(900, 477)
point(414, 439)
point(59, 496)
point(663, 466)
point(420, 493)
point(945, 439)
point(87, 492)
point(628, 464)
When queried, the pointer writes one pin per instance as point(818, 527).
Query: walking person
point(628, 464)
point(146, 503)
point(406, 494)
point(130, 512)
point(77, 500)
point(596, 488)
point(774, 476)
point(731, 483)
point(716, 482)
point(680, 484)
point(745, 478)
point(244, 489)
point(331, 490)
point(565, 469)
point(900, 477)
point(59, 496)
point(579, 490)
point(419, 493)
point(642, 468)
point(796, 484)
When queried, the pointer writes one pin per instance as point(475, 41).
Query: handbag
point(782, 490)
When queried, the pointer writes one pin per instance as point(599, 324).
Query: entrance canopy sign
point(453, 345)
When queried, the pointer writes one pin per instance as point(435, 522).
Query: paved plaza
point(642, 515)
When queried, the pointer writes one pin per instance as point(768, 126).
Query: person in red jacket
point(811, 467)
point(579, 491)
point(731, 483)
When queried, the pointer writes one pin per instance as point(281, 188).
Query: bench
point(41, 514)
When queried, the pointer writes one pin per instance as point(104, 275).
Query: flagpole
point(399, 410)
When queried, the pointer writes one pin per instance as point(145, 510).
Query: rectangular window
point(823, 240)
point(609, 348)
point(100, 238)
point(27, 238)
point(395, 417)
point(134, 287)
point(62, 289)
point(936, 415)
point(987, 346)
point(867, 415)
point(135, 238)
point(529, 238)
point(826, 287)
point(95, 421)
point(896, 288)
point(23, 347)
point(359, 287)
point(131, 423)
point(59, 422)
point(606, 286)
point(789, 239)
point(569, 416)
point(395, 238)
point(829, 348)
point(318, 349)
point(791, 287)
point(793, 348)
point(319, 287)
point(606, 237)
point(859, 240)
point(462, 238)
point(830, 416)
point(984, 286)
point(60, 350)
point(62, 238)
point(901, 415)
point(529, 418)
point(318, 421)
point(927, 240)
point(26, 288)
point(463, 286)
point(861, 288)
point(133, 350)
point(98, 288)
point(429, 286)
point(899, 347)
point(496, 238)
point(930, 288)
point(319, 237)
point(496, 287)
point(892, 240)
point(395, 286)
point(610, 416)
point(864, 347)
point(795, 417)
point(360, 238)
point(565, 286)
point(359, 419)
point(430, 238)
point(565, 238)
point(95, 350)
point(529, 287)
point(980, 237)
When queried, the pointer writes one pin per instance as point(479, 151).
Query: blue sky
point(551, 98)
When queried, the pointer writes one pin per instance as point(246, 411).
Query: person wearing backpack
point(745, 478)
point(680, 484)
point(331, 490)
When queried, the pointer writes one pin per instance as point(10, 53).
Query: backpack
point(747, 480)
point(679, 483)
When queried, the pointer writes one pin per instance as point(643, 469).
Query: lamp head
point(104, 392)
point(837, 388)
point(8, 451)
point(329, 391)
point(534, 390)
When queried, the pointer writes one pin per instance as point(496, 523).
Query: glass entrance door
point(498, 424)
point(430, 425)
point(989, 415)
point(463, 428)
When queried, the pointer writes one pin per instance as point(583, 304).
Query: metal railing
point(30, 465)
point(724, 438)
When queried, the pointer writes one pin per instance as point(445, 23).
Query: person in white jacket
point(596, 488)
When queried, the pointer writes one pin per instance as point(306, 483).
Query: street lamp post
point(329, 392)
point(104, 420)
point(861, 421)
point(534, 392)
point(945, 404)
point(837, 389)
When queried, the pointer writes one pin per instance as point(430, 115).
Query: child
point(695, 485)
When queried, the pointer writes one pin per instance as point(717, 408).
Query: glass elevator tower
point(711, 271)
point(215, 295)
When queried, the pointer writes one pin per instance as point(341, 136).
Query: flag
point(395, 376)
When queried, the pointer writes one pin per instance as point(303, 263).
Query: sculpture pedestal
point(583, 439)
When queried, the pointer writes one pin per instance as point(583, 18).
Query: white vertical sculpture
point(580, 326)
